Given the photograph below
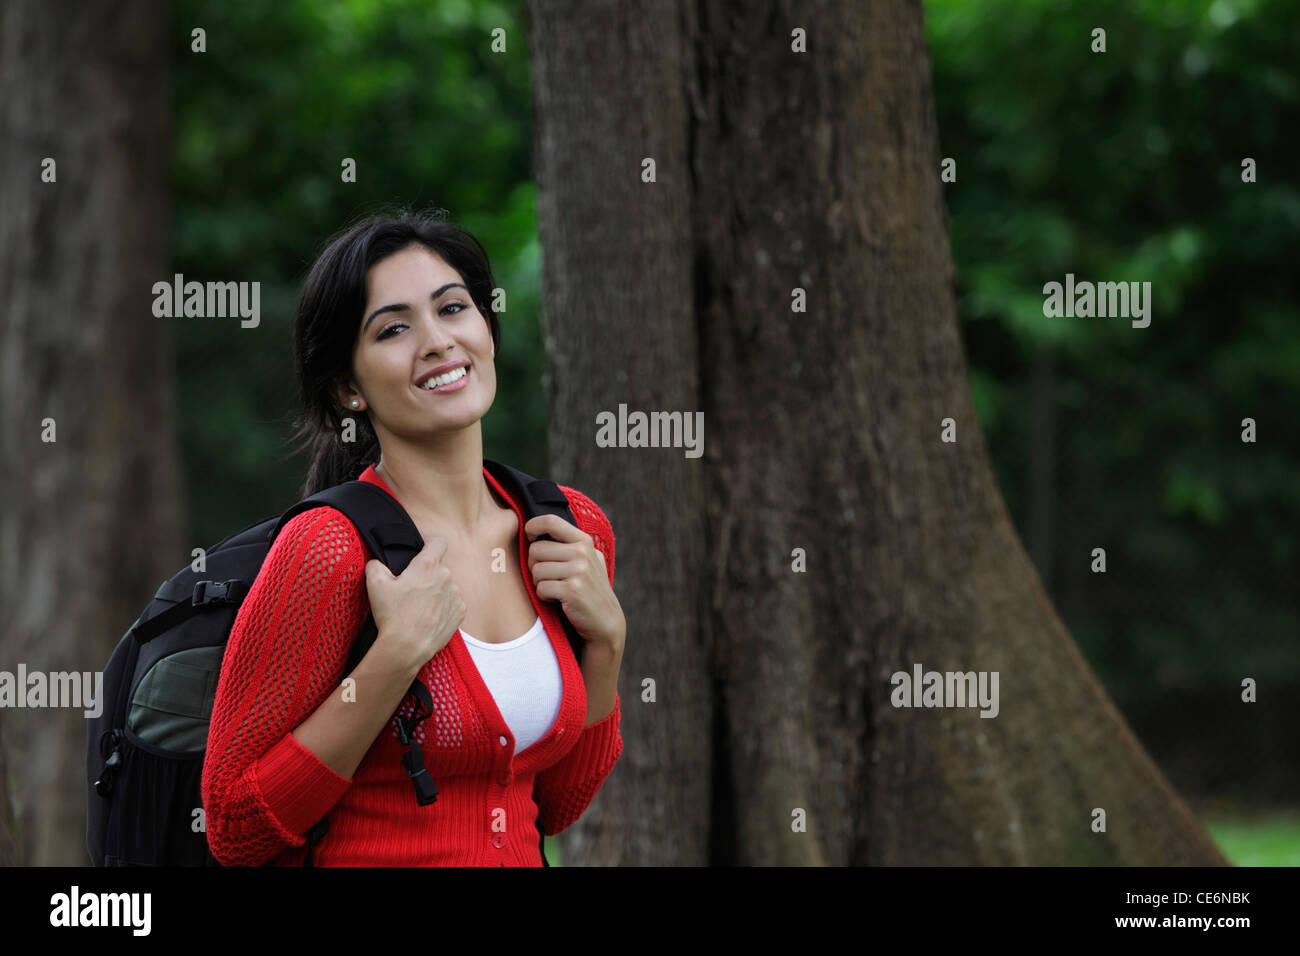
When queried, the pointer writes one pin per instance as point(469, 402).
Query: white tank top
point(524, 679)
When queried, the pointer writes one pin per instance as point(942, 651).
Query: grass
point(552, 851)
point(1269, 840)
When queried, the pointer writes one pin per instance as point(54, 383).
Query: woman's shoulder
point(592, 520)
point(314, 572)
point(319, 536)
point(585, 510)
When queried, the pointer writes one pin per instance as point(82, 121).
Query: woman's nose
point(438, 337)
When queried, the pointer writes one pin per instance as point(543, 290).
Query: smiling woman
point(381, 268)
point(422, 325)
point(393, 331)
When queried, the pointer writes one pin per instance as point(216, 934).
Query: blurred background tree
point(1127, 165)
point(90, 479)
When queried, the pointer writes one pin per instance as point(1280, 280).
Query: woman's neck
point(443, 482)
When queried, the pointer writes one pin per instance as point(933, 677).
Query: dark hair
point(328, 321)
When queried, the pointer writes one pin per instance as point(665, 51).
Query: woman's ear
point(345, 393)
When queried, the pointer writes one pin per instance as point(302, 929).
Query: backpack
point(144, 752)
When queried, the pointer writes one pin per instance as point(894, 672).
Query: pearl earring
point(355, 403)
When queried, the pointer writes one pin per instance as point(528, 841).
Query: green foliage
point(1126, 165)
point(1271, 841)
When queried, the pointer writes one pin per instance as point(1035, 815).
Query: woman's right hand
point(417, 612)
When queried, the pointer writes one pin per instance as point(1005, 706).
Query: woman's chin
point(462, 415)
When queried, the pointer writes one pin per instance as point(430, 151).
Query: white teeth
point(446, 378)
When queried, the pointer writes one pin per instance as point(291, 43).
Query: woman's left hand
point(570, 570)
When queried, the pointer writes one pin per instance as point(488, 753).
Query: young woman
point(395, 332)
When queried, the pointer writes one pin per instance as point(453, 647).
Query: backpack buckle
point(211, 592)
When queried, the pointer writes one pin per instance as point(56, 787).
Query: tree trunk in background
point(1043, 489)
point(91, 520)
point(619, 325)
point(777, 171)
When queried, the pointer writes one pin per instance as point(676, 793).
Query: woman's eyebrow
point(402, 306)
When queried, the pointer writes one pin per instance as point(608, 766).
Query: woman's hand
point(418, 612)
point(570, 570)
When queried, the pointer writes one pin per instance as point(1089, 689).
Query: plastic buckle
point(209, 592)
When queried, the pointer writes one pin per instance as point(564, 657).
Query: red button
point(498, 840)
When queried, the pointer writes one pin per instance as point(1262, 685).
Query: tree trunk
point(779, 171)
point(610, 239)
point(91, 519)
point(1043, 488)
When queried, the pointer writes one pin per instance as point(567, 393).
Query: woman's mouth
point(452, 381)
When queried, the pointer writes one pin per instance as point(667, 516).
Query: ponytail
point(333, 460)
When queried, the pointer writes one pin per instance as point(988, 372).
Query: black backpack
point(144, 752)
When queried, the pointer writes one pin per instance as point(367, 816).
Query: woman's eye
point(460, 307)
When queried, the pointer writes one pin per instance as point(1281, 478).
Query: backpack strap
point(539, 496)
point(314, 836)
point(382, 522)
point(388, 531)
point(392, 537)
point(205, 593)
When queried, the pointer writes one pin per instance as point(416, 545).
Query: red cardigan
point(262, 790)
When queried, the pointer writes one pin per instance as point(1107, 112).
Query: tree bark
point(1043, 488)
point(779, 171)
point(91, 522)
point(618, 325)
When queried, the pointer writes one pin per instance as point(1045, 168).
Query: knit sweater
point(262, 789)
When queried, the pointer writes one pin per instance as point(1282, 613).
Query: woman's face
point(419, 317)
